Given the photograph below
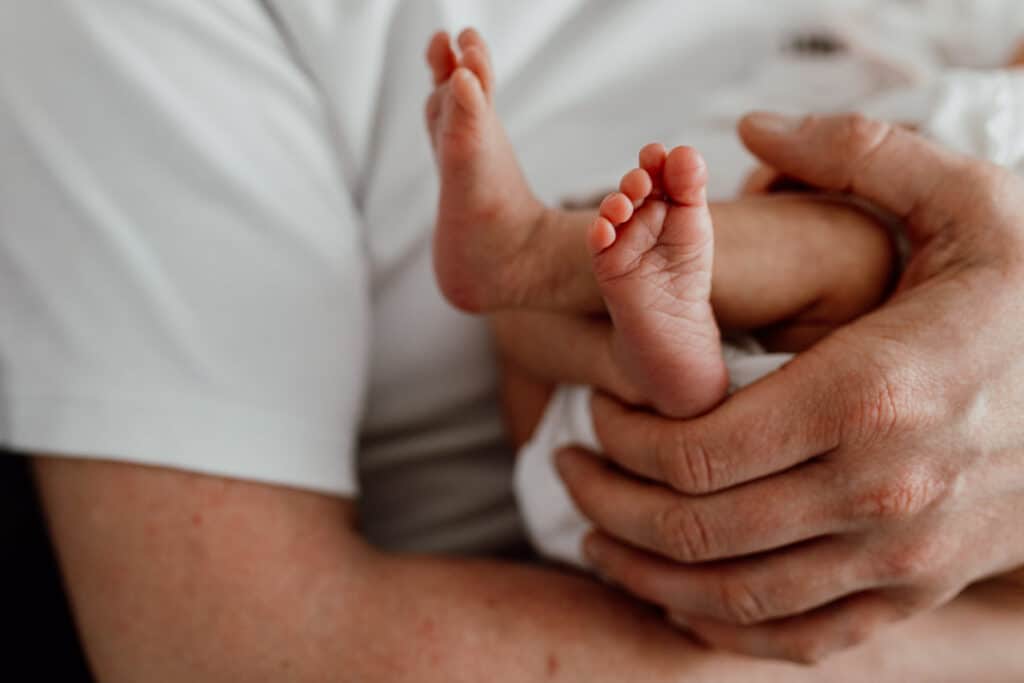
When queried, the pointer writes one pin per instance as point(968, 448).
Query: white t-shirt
point(215, 227)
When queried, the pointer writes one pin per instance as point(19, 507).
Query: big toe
point(468, 91)
point(476, 57)
point(685, 177)
point(440, 57)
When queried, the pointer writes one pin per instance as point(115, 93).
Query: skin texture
point(498, 248)
point(487, 216)
point(653, 249)
point(876, 475)
point(816, 262)
point(651, 246)
point(177, 577)
point(180, 578)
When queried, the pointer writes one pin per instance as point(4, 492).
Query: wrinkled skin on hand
point(875, 476)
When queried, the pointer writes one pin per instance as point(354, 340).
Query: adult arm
point(875, 476)
point(179, 577)
point(184, 283)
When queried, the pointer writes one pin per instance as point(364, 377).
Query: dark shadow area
point(40, 642)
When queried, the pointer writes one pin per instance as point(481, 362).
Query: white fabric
point(981, 114)
point(170, 292)
point(919, 39)
point(553, 522)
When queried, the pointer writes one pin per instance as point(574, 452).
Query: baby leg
point(496, 246)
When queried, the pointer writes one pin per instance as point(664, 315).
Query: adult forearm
point(177, 577)
point(974, 638)
point(478, 621)
point(475, 620)
point(451, 620)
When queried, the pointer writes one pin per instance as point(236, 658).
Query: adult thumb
point(891, 167)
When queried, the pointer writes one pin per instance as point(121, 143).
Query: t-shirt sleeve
point(182, 278)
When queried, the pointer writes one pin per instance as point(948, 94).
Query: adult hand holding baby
point(875, 476)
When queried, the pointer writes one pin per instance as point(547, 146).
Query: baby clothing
point(552, 520)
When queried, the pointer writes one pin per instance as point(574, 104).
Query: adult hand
point(876, 475)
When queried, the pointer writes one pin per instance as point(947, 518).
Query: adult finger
point(788, 417)
point(883, 163)
point(740, 592)
point(763, 515)
point(807, 638)
point(760, 180)
point(767, 180)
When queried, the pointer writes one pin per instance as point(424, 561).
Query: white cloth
point(975, 112)
point(553, 522)
point(898, 60)
point(182, 279)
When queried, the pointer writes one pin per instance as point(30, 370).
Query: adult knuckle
point(862, 136)
point(894, 500)
point(740, 603)
point(906, 493)
point(878, 410)
point(911, 562)
point(683, 533)
point(685, 464)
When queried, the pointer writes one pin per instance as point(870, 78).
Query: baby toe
point(617, 208)
point(441, 57)
point(601, 235)
point(636, 185)
point(685, 176)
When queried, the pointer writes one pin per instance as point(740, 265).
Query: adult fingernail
point(772, 123)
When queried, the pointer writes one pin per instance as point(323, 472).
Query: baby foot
point(487, 212)
point(652, 255)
